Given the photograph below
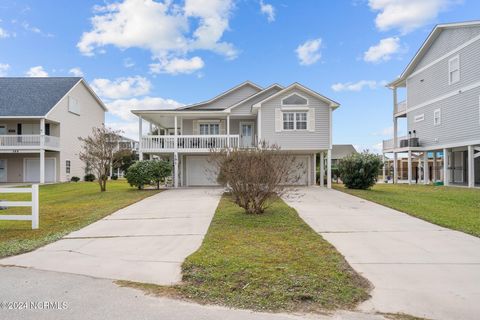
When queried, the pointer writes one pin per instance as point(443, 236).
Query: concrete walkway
point(416, 267)
point(145, 242)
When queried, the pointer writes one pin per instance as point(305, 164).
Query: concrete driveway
point(416, 267)
point(145, 242)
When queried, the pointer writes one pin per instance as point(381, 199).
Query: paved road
point(90, 298)
point(417, 268)
point(144, 242)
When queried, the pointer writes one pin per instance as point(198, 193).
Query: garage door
point(32, 170)
point(302, 169)
point(200, 172)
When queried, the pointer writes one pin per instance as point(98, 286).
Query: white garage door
point(303, 169)
point(32, 170)
point(200, 172)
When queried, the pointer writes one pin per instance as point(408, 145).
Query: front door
point(3, 129)
point(3, 170)
point(246, 134)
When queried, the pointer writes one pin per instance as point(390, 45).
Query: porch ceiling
point(166, 119)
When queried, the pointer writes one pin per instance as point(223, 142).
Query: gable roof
point(275, 85)
point(340, 151)
point(333, 104)
point(426, 46)
point(243, 84)
point(35, 97)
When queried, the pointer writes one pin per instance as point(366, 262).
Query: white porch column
point(175, 169)
point(322, 169)
point(259, 126)
point(228, 131)
point(395, 167)
point(471, 167)
point(140, 134)
point(384, 169)
point(434, 167)
point(395, 120)
point(42, 165)
point(446, 177)
point(409, 167)
point(329, 168)
point(314, 169)
point(426, 168)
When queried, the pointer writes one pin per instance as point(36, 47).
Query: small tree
point(147, 172)
point(360, 170)
point(123, 159)
point(97, 152)
point(255, 176)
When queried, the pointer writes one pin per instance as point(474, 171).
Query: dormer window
point(295, 100)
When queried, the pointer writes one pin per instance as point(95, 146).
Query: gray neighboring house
point(441, 86)
point(40, 122)
point(295, 117)
point(340, 151)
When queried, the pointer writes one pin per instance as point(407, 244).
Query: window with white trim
point(419, 118)
point(295, 120)
point(295, 100)
point(454, 70)
point(437, 117)
point(67, 166)
point(209, 128)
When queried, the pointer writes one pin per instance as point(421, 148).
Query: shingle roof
point(340, 151)
point(32, 96)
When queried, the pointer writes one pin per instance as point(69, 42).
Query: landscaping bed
point(272, 261)
point(451, 207)
point(64, 208)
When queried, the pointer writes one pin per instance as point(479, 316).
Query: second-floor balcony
point(190, 143)
point(29, 141)
point(401, 107)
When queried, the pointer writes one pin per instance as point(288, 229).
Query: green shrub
point(147, 172)
point(89, 177)
point(114, 177)
point(75, 179)
point(360, 170)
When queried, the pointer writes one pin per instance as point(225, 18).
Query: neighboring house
point(40, 122)
point(340, 151)
point(434, 168)
point(442, 105)
point(124, 144)
point(296, 118)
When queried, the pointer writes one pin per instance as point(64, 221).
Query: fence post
point(35, 206)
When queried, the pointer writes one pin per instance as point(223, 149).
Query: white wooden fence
point(34, 204)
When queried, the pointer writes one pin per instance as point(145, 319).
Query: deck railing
point(389, 144)
point(189, 142)
point(27, 141)
point(401, 106)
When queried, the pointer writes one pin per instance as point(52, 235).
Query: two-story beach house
point(40, 122)
point(296, 118)
point(441, 87)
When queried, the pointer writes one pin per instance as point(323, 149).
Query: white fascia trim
point(297, 85)
point(178, 113)
point(222, 95)
point(253, 96)
point(445, 96)
point(22, 117)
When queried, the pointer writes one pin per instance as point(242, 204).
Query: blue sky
point(160, 54)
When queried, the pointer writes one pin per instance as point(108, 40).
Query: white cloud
point(357, 86)
point(268, 10)
point(309, 52)
point(4, 34)
point(177, 66)
point(36, 30)
point(36, 71)
point(3, 69)
point(382, 51)
point(128, 63)
point(122, 107)
point(121, 87)
point(76, 72)
point(169, 31)
point(407, 15)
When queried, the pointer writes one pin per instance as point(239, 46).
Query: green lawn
point(63, 208)
point(450, 207)
point(273, 261)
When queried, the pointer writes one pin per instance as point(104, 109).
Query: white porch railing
point(389, 144)
point(401, 106)
point(189, 142)
point(34, 204)
point(28, 141)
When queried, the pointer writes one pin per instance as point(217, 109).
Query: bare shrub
point(257, 175)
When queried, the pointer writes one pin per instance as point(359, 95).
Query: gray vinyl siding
point(460, 120)
point(230, 99)
point(296, 140)
point(435, 78)
point(245, 108)
point(234, 125)
point(448, 40)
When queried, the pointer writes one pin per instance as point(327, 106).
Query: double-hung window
point(294, 120)
point(209, 128)
point(437, 117)
point(67, 166)
point(454, 70)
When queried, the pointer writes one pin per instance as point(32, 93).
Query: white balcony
point(188, 143)
point(401, 107)
point(389, 145)
point(29, 141)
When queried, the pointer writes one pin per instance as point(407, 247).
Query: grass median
point(273, 261)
